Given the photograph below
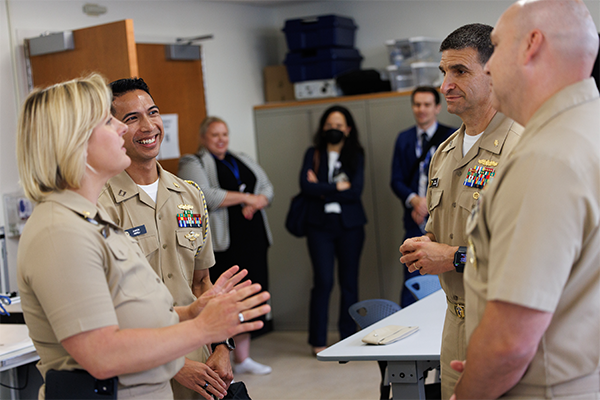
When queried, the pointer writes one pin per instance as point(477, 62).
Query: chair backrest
point(367, 312)
point(423, 285)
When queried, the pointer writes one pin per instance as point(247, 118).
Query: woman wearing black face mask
point(332, 179)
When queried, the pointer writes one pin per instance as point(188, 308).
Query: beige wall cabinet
point(284, 131)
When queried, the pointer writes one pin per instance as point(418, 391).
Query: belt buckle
point(460, 311)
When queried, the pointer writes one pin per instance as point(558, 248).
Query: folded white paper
point(389, 334)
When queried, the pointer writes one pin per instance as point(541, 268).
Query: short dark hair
point(476, 36)
point(122, 86)
point(425, 89)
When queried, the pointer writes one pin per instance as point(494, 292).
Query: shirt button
point(159, 216)
point(454, 205)
point(171, 309)
point(476, 195)
point(452, 236)
point(455, 297)
point(174, 304)
point(158, 280)
point(164, 246)
point(170, 275)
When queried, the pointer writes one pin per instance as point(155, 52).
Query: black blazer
point(318, 194)
point(402, 164)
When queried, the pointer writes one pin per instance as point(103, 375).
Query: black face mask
point(334, 136)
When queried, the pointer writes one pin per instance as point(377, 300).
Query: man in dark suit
point(410, 165)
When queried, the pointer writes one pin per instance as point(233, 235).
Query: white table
point(409, 358)
point(16, 348)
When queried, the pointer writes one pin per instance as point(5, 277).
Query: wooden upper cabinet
point(108, 49)
point(177, 86)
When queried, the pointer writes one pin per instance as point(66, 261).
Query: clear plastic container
point(426, 74)
point(401, 78)
point(425, 49)
point(403, 52)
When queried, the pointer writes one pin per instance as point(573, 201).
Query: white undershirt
point(468, 142)
point(333, 163)
point(151, 189)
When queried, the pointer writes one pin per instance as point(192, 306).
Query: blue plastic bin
point(319, 32)
point(316, 64)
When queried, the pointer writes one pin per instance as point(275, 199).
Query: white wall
point(379, 21)
point(247, 38)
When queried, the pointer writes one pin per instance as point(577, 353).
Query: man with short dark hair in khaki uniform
point(533, 275)
point(168, 218)
point(459, 170)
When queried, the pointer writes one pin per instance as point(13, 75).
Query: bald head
point(567, 27)
point(540, 47)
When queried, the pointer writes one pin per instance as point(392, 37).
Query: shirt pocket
point(137, 278)
point(189, 241)
point(435, 199)
point(467, 200)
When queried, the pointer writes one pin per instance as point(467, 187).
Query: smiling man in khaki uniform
point(533, 275)
point(167, 216)
point(460, 169)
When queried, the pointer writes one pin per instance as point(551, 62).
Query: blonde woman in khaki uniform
point(91, 300)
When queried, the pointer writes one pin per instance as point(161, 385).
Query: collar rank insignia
point(122, 192)
point(189, 220)
point(478, 176)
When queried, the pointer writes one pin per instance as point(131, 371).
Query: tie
point(425, 150)
point(424, 142)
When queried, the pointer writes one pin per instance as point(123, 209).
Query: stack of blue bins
point(320, 47)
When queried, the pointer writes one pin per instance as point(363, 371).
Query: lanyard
point(235, 170)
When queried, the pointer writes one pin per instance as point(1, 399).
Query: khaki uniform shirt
point(536, 236)
point(173, 252)
point(77, 275)
point(450, 201)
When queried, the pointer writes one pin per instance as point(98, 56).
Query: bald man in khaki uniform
point(533, 272)
point(461, 167)
point(168, 218)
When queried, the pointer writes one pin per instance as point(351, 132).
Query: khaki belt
point(586, 384)
point(456, 309)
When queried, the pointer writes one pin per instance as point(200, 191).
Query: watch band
point(460, 259)
point(229, 343)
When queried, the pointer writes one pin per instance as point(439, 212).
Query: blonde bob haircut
point(55, 125)
point(204, 127)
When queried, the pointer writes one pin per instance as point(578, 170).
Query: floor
point(298, 375)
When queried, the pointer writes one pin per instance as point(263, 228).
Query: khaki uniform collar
point(124, 188)
point(569, 97)
point(79, 205)
point(492, 140)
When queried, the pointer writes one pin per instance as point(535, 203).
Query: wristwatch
point(229, 343)
point(460, 258)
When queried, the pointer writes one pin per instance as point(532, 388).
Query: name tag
point(136, 231)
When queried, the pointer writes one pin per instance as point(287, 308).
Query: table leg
point(408, 378)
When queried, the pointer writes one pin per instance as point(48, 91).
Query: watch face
point(230, 343)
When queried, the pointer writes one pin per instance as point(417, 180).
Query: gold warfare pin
point(488, 163)
point(185, 207)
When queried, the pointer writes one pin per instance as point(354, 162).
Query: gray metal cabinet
point(284, 132)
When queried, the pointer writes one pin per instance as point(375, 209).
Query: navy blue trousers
point(325, 244)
